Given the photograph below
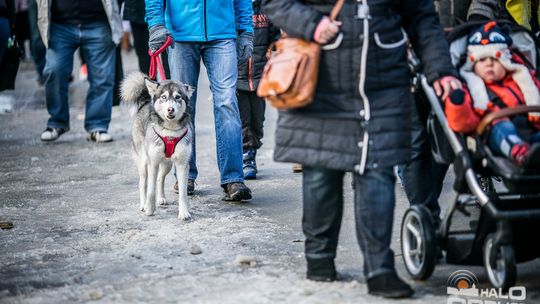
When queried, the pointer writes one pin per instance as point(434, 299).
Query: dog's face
point(169, 98)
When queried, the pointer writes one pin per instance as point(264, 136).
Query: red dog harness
point(170, 142)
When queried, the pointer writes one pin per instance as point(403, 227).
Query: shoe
point(532, 157)
point(83, 72)
point(519, 153)
point(99, 136)
point(296, 168)
point(321, 270)
point(250, 165)
point(190, 187)
point(52, 134)
point(236, 192)
point(389, 285)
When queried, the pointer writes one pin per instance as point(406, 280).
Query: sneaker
point(83, 72)
point(250, 165)
point(236, 192)
point(52, 134)
point(190, 187)
point(389, 285)
point(321, 270)
point(99, 136)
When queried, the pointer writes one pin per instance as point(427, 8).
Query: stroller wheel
point(418, 242)
point(500, 263)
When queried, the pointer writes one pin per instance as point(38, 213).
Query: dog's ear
point(151, 85)
point(188, 90)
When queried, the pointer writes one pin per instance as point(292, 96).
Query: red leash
point(155, 62)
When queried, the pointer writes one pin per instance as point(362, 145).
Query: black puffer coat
point(331, 131)
point(249, 72)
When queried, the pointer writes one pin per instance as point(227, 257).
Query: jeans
point(504, 135)
point(374, 201)
point(252, 115)
point(95, 43)
point(422, 176)
point(219, 58)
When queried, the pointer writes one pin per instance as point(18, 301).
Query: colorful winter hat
point(490, 41)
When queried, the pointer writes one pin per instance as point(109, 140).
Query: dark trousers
point(140, 41)
point(37, 48)
point(252, 116)
point(374, 201)
point(422, 176)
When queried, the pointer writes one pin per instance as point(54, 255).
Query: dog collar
point(170, 142)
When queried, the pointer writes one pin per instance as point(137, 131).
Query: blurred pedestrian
point(249, 74)
point(7, 22)
point(220, 32)
point(134, 12)
point(359, 121)
point(95, 27)
point(37, 48)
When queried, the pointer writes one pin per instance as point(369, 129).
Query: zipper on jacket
point(250, 73)
point(365, 114)
point(205, 32)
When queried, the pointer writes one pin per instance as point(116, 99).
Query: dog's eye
point(177, 97)
point(164, 97)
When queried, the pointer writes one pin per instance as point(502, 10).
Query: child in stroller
point(497, 79)
point(483, 226)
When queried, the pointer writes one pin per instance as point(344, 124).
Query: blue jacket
point(201, 20)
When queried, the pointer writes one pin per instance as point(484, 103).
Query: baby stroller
point(491, 227)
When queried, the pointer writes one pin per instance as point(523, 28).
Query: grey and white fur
point(160, 109)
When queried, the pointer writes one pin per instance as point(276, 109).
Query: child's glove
point(244, 46)
point(157, 37)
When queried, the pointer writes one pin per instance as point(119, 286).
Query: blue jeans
point(219, 58)
point(504, 135)
point(374, 202)
point(95, 43)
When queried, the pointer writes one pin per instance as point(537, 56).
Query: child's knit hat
point(490, 41)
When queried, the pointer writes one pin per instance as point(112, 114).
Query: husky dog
point(161, 135)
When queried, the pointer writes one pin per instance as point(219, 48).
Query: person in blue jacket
point(220, 32)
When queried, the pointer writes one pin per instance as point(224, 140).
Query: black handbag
point(10, 65)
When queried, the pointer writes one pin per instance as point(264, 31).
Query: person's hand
point(445, 86)
point(244, 46)
point(157, 37)
point(326, 30)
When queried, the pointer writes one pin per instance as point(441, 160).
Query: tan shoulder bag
point(290, 76)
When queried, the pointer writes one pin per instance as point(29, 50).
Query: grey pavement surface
point(79, 237)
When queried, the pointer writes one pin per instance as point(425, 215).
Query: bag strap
point(336, 9)
point(155, 62)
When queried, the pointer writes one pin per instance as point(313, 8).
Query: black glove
point(157, 37)
point(457, 97)
point(244, 46)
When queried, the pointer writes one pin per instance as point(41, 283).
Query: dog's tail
point(133, 91)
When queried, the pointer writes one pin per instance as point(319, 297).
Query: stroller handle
point(436, 106)
point(489, 118)
point(457, 147)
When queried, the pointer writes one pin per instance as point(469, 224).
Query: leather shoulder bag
point(290, 76)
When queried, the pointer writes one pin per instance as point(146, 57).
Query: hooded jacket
point(201, 20)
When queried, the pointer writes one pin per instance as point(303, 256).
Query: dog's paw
point(161, 201)
point(149, 211)
point(185, 215)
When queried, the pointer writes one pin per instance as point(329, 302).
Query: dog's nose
point(170, 109)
